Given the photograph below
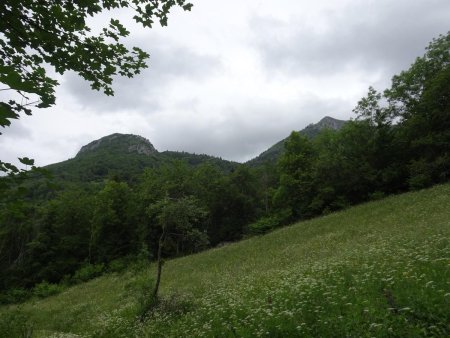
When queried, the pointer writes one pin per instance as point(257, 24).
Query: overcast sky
point(233, 77)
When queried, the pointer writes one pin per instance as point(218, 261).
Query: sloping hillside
point(378, 269)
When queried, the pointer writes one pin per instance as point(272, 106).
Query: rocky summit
point(119, 143)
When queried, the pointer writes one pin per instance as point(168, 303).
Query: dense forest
point(57, 227)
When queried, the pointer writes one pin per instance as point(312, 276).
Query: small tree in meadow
point(179, 222)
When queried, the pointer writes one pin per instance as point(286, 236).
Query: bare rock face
point(330, 123)
point(146, 149)
point(119, 143)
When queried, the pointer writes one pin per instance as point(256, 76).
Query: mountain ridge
point(127, 155)
point(312, 130)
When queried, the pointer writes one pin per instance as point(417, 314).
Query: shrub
point(14, 296)
point(119, 264)
point(420, 175)
point(266, 224)
point(88, 272)
point(377, 195)
point(262, 226)
point(46, 289)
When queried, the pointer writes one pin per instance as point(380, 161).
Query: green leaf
point(6, 113)
point(9, 76)
point(26, 161)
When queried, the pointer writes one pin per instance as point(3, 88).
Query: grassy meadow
point(381, 269)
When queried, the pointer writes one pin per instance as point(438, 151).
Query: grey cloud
point(146, 92)
point(15, 130)
point(248, 128)
point(384, 37)
point(70, 144)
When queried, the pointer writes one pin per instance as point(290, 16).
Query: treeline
point(92, 224)
point(399, 141)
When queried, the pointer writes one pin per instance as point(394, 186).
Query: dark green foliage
point(15, 233)
point(240, 203)
point(296, 188)
point(198, 159)
point(268, 223)
point(420, 98)
point(61, 242)
point(121, 264)
point(233, 201)
point(45, 289)
point(182, 221)
point(112, 225)
point(15, 295)
point(88, 272)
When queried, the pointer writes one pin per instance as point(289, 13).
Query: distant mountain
point(124, 156)
point(272, 154)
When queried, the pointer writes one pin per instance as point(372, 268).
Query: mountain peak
point(325, 123)
point(115, 143)
point(330, 122)
point(273, 153)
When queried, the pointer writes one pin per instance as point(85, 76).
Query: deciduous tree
point(178, 221)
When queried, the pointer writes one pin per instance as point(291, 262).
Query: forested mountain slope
point(272, 154)
point(124, 156)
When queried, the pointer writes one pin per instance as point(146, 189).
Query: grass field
point(381, 269)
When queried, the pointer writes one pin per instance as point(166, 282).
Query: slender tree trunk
point(159, 263)
point(91, 243)
point(266, 201)
point(265, 184)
